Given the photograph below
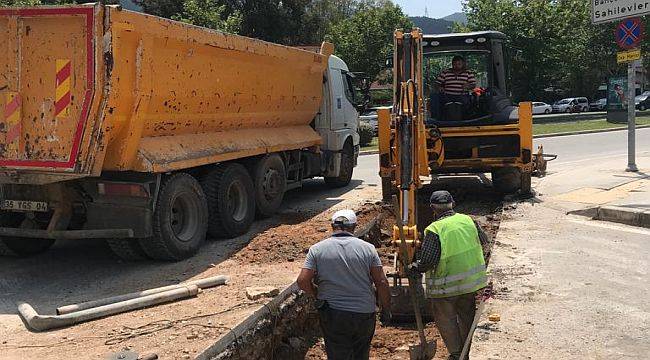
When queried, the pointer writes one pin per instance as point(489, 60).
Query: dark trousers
point(454, 317)
point(347, 334)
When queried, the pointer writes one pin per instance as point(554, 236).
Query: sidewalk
point(566, 286)
point(603, 190)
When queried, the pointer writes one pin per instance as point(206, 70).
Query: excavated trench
point(287, 327)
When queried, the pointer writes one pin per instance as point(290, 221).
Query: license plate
point(20, 205)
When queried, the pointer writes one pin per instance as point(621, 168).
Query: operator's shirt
point(428, 256)
point(452, 83)
point(342, 265)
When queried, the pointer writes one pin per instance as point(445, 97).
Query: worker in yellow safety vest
point(451, 257)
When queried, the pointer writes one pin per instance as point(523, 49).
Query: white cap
point(344, 217)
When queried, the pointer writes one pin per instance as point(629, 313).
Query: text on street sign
point(610, 10)
point(628, 56)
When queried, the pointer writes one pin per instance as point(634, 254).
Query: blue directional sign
point(629, 33)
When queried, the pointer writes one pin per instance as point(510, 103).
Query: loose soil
point(485, 206)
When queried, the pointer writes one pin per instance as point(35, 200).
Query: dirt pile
point(291, 240)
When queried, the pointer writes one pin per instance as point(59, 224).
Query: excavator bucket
point(402, 307)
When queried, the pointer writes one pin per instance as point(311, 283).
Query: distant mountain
point(458, 17)
point(432, 26)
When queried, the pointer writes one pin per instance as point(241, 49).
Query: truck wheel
point(127, 249)
point(347, 166)
point(179, 221)
point(506, 180)
point(231, 201)
point(17, 246)
point(270, 185)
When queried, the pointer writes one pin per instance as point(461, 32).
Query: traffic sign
point(628, 56)
point(603, 11)
point(629, 33)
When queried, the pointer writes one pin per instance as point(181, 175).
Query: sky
point(437, 8)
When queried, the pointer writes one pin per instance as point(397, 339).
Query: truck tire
point(21, 247)
point(231, 200)
point(270, 185)
point(179, 221)
point(347, 166)
point(127, 249)
point(506, 180)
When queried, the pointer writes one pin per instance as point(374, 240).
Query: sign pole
point(631, 117)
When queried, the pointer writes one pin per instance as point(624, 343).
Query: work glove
point(385, 317)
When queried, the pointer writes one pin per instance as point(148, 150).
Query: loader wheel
point(127, 249)
point(347, 166)
point(179, 221)
point(17, 246)
point(231, 200)
point(270, 185)
point(506, 180)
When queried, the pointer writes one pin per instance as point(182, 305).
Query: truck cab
point(338, 119)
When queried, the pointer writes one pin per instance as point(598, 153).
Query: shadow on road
point(75, 271)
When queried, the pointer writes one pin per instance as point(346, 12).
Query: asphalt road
point(591, 146)
point(570, 149)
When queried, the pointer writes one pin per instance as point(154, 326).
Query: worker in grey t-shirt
point(344, 269)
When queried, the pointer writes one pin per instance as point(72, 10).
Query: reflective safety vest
point(461, 269)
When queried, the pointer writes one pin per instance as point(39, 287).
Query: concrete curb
point(582, 132)
point(623, 215)
point(368, 152)
point(574, 117)
point(245, 332)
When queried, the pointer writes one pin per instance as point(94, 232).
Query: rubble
point(255, 293)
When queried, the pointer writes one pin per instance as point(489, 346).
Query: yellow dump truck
point(152, 133)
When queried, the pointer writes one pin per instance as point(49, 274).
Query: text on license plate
point(20, 205)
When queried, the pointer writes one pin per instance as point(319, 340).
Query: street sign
point(629, 33)
point(628, 56)
point(603, 11)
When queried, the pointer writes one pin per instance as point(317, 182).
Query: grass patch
point(541, 129)
point(601, 124)
point(374, 145)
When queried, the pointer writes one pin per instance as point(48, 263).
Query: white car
point(568, 105)
point(541, 108)
point(598, 105)
point(370, 117)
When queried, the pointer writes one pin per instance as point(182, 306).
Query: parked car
point(541, 108)
point(642, 102)
point(598, 105)
point(370, 117)
point(568, 105)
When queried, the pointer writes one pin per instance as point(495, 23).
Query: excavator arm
point(402, 140)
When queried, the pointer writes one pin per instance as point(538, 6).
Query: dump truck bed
point(91, 88)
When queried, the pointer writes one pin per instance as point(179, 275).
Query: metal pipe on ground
point(47, 322)
point(201, 284)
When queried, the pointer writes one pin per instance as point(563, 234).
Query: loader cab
point(484, 56)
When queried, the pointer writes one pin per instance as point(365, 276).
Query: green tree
point(210, 14)
point(162, 8)
point(365, 40)
point(556, 43)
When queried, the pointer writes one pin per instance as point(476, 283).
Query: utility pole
point(631, 117)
